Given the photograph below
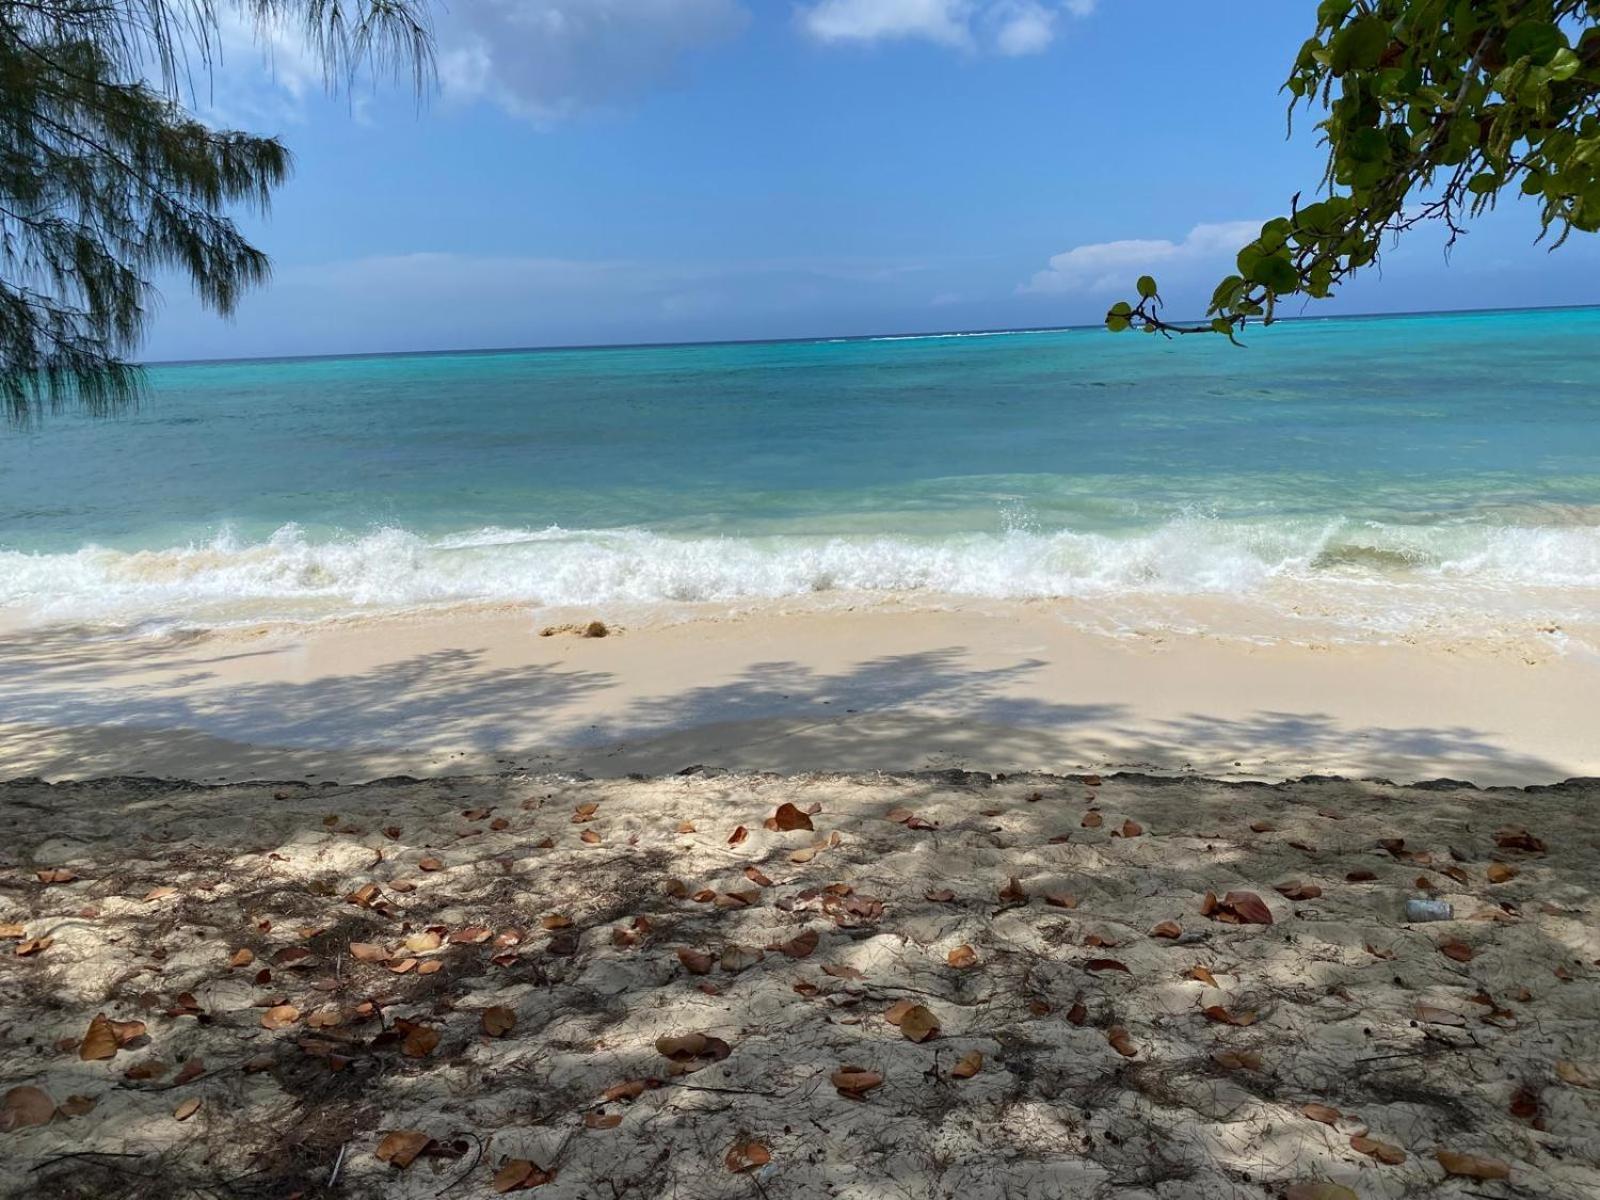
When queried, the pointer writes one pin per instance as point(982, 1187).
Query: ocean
point(1368, 477)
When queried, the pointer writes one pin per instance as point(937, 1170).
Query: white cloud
point(1011, 27)
point(547, 59)
point(1107, 266)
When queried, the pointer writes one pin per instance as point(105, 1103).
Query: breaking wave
point(291, 574)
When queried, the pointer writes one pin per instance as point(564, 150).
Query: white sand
point(998, 688)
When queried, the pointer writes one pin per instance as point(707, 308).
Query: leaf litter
point(643, 1006)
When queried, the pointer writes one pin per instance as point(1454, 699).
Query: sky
point(598, 171)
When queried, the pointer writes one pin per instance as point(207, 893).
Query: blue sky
point(664, 170)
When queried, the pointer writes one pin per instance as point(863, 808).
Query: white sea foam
point(289, 574)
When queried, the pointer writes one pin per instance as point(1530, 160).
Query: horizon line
point(848, 337)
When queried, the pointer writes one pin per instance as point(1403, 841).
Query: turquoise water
point(1418, 453)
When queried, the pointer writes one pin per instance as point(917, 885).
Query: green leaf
point(1116, 323)
point(1536, 40)
point(1366, 146)
point(1359, 45)
point(1222, 325)
point(1147, 286)
point(1277, 274)
point(1121, 308)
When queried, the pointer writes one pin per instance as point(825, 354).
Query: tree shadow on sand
point(1054, 1112)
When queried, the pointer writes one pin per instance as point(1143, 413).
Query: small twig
point(471, 1166)
point(338, 1163)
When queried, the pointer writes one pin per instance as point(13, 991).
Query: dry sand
point(996, 688)
point(1480, 1035)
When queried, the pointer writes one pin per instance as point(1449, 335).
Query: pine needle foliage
point(1432, 111)
point(106, 178)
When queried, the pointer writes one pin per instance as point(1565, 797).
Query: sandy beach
point(998, 688)
point(733, 985)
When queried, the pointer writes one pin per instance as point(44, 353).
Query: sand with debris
point(478, 972)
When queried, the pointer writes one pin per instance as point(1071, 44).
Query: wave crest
point(289, 573)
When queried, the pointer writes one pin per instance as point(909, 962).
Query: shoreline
point(998, 688)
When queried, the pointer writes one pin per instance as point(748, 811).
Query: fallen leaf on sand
point(919, 1024)
point(1167, 929)
point(11, 930)
point(1092, 820)
point(1297, 889)
point(1237, 1060)
point(962, 957)
point(243, 958)
point(280, 1016)
point(1576, 1075)
point(632, 1089)
point(186, 1110)
point(418, 1040)
point(1321, 1112)
point(970, 1064)
point(1013, 892)
point(589, 838)
point(1430, 1015)
point(757, 877)
point(738, 835)
point(76, 1106)
point(105, 1037)
point(1224, 1016)
point(1203, 975)
point(1262, 826)
point(1121, 1041)
point(33, 946)
point(1386, 955)
point(1237, 908)
point(517, 1175)
point(55, 875)
point(1514, 837)
point(23, 1107)
point(1457, 950)
point(399, 1147)
point(695, 962)
point(1061, 900)
point(1472, 1166)
point(498, 1020)
point(555, 921)
point(854, 1082)
point(584, 812)
point(1105, 964)
point(1524, 1103)
point(842, 971)
point(1130, 829)
point(1384, 1152)
point(940, 896)
point(430, 863)
point(190, 1071)
point(788, 818)
point(801, 945)
point(746, 1156)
